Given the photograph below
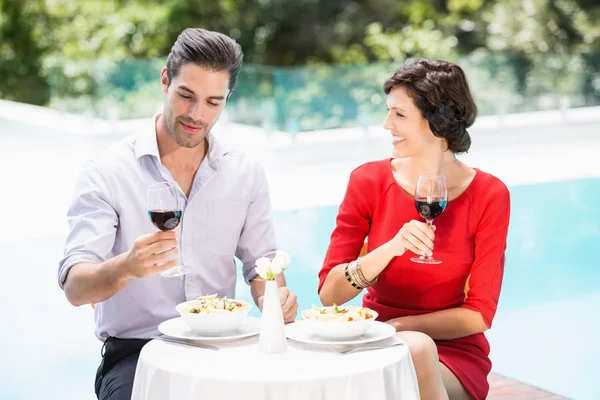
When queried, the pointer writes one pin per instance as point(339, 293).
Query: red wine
point(165, 220)
point(432, 208)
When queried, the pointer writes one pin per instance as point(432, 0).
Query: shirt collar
point(216, 150)
point(145, 142)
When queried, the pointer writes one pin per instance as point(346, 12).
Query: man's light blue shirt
point(227, 214)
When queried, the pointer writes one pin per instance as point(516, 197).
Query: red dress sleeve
point(487, 270)
point(352, 223)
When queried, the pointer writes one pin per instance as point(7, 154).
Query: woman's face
point(411, 135)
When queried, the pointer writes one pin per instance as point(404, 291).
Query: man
point(113, 253)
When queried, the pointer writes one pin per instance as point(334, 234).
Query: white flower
point(269, 269)
point(282, 257)
point(275, 268)
point(262, 267)
point(280, 261)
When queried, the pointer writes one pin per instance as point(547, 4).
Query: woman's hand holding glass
point(415, 236)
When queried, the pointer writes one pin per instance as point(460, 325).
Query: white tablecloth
point(168, 371)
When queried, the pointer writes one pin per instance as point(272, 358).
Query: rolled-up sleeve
point(92, 222)
point(258, 234)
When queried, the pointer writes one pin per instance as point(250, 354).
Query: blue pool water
point(543, 333)
point(551, 270)
point(553, 231)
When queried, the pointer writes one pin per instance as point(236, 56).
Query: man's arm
point(257, 288)
point(289, 301)
point(88, 283)
point(86, 273)
point(256, 240)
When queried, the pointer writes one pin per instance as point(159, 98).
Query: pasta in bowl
point(339, 322)
point(212, 315)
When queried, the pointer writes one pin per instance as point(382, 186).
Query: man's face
point(194, 100)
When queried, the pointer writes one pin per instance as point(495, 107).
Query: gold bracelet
point(349, 277)
point(361, 278)
point(356, 275)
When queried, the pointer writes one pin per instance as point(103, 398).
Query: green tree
point(22, 50)
point(90, 47)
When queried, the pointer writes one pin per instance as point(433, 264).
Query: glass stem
point(430, 223)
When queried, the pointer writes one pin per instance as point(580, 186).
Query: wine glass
point(431, 197)
point(164, 209)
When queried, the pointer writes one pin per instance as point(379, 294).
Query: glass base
point(426, 260)
point(176, 271)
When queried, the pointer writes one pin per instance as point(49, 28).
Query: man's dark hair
point(441, 92)
point(207, 49)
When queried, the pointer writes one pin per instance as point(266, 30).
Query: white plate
point(179, 329)
point(300, 332)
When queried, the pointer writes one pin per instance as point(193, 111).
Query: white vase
point(272, 337)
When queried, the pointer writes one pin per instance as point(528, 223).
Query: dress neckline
point(467, 189)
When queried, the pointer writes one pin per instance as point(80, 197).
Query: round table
point(172, 371)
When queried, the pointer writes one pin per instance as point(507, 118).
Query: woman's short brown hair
point(441, 92)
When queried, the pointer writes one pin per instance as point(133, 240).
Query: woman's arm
point(353, 223)
point(485, 281)
point(414, 235)
point(336, 288)
point(443, 325)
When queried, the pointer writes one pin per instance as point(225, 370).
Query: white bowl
point(213, 324)
point(339, 330)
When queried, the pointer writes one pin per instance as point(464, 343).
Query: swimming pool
point(552, 235)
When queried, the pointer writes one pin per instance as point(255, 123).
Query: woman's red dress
point(470, 240)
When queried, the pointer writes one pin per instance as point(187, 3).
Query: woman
point(440, 311)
